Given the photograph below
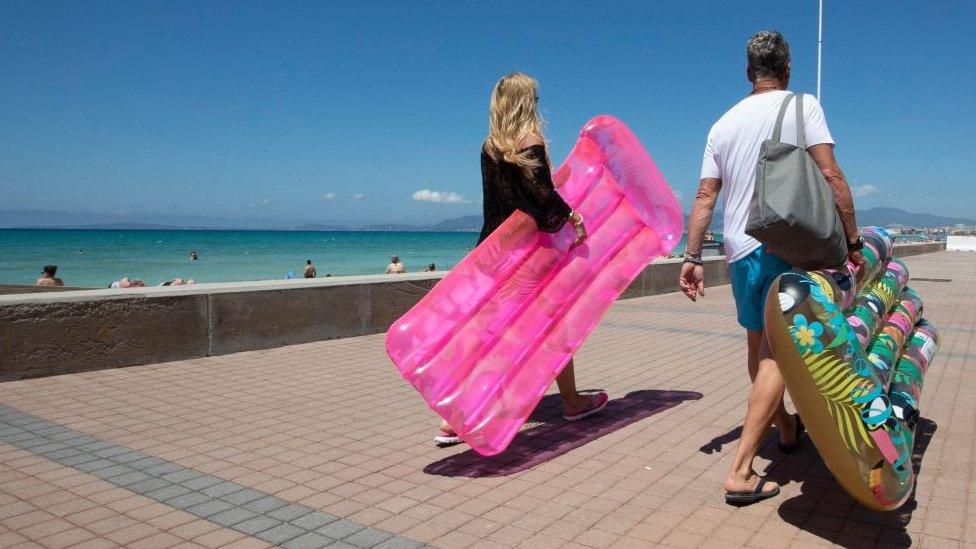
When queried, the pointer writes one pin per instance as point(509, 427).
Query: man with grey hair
point(729, 162)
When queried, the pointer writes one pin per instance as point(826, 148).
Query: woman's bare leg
point(573, 401)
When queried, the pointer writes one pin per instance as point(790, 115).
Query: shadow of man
point(823, 508)
point(784, 467)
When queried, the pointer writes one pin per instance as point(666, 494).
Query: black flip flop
point(740, 499)
point(797, 431)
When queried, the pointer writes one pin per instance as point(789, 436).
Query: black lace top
point(507, 187)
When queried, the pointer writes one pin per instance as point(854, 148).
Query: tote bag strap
point(801, 132)
point(779, 117)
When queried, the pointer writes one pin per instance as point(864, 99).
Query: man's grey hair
point(768, 54)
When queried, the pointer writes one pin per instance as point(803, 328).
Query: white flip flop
point(602, 400)
point(443, 441)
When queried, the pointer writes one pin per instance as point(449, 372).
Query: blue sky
point(341, 112)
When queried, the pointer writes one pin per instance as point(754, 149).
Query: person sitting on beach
point(47, 277)
point(431, 268)
point(729, 162)
point(395, 267)
point(516, 176)
point(309, 269)
point(125, 282)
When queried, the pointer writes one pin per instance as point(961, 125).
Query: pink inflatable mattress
point(485, 344)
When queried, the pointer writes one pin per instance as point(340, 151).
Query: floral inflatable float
point(854, 354)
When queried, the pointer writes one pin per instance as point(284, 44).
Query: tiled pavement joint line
point(670, 330)
point(955, 356)
point(228, 504)
point(958, 329)
point(210, 326)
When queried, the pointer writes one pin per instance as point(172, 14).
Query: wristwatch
point(857, 245)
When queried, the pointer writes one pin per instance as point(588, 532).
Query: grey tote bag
point(792, 210)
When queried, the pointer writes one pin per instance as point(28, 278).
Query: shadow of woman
point(888, 527)
point(549, 436)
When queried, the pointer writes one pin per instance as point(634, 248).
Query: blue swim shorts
point(751, 277)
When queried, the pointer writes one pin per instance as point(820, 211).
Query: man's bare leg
point(783, 420)
point(765, 397)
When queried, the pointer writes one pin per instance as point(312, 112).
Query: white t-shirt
point(732, 151)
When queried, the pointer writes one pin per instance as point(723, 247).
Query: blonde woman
point(515, 175)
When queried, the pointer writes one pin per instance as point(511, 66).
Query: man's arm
point(701, 212)
point(692, 278)
point(823, 155)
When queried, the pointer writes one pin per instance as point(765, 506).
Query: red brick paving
point(331, 426)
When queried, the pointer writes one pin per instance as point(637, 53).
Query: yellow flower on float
point(805, 335)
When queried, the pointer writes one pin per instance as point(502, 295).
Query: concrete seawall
point(43, 334)
point(6, 289)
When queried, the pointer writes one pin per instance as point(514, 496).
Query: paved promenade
point(322, 444)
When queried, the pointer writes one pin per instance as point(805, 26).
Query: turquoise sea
point(94, 258)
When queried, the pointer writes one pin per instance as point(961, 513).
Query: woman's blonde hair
point(513, 116)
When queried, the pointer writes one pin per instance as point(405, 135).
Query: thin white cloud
point(265, 201)
point(440, 197)
point(358, 196)
point(867, 189)
point(330, 197)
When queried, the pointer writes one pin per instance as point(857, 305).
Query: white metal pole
point(819, 47)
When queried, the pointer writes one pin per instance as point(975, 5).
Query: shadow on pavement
point(716, 444)
point(823, 508)
point(552, 436)
point(784, 467)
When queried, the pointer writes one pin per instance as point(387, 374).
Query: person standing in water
point(515, 175)
point(309, 269)
point(48, 277)
point(395, 267)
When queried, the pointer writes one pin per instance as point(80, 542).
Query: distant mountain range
point(468, 223)
point(895, 216)
point(51, 219)
point(321, 227)
point(885, 217)
point(127, 227)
